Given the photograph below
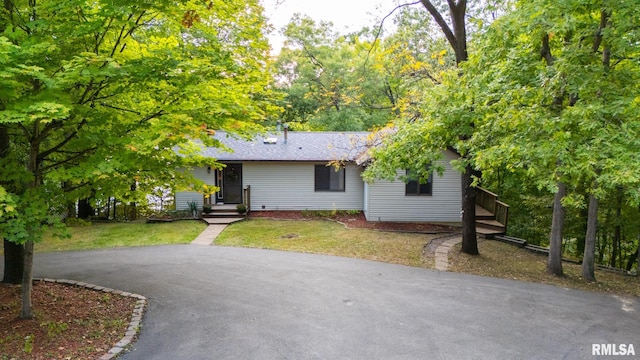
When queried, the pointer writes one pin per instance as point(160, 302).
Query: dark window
point(413, 187)
point(328, 179)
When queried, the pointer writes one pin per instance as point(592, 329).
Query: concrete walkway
point(209, 234)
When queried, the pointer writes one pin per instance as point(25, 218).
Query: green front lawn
point(330, 238)
point(110, 235)
point(326, 237)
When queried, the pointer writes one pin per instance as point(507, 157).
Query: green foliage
point(572, 117)
point(8, 206)
point(28, 344)
point(193, 206)
point(242, 208)
point(76, 222)
point(112, 97)
point(108, 99)
point(559, 104)
point(341, 82)
point(55, 328)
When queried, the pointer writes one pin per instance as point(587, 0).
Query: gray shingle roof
point(300, 146)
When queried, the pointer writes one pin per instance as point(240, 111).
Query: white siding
point(290, 186)
point(386, 200)
point(183, 198)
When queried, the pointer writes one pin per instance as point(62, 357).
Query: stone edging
point(136, 316)
point(442, 253)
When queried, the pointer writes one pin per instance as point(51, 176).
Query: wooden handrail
point(489, 201)
point(487, 191)
point(486, 199)
point(502, 213)
point(246, 198)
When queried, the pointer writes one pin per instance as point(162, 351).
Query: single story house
point(289, 171)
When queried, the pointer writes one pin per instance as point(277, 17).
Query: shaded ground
point(357, 220)
point(505, 261)
point(69, 322)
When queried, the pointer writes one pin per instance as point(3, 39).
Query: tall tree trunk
point(85, 210)
point(13, 253)
point(36, 183)
point(13, 262)
point(632, 259)
point(601, 246)
point(72, 211)
point(27, 281)
point(584, 213)
point(617, 232)
point(132, 211)
point(469, 239)
point(456, 35)
point(554, 262)
point(588, 260)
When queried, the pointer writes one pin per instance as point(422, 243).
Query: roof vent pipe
point(278, 125)
point(286, 132)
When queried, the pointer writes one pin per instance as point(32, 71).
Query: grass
point(509, 262)
point(110, 235)
point(329, 238)
point(496, 259)
point(326, 237)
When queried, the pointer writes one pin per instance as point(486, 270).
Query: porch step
point(484, 214)
point(488, 232)
point(217, 214)
point(490, 224)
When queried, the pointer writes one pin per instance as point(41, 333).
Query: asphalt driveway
point(208, 302)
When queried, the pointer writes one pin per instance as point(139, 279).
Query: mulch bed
point(358, 221)
point(69, 322)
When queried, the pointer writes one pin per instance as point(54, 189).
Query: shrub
point(76, 222)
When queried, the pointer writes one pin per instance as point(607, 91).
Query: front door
point(231, 181)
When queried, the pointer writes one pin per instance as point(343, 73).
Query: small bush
point(242, 208)
point(77, 222)
point(313, 214)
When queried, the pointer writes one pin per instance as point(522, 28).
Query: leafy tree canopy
point(99, 95)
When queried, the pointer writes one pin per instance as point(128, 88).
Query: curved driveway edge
point(134, 322)
point(211, 302)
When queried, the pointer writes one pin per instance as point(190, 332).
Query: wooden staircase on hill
point(491, 214)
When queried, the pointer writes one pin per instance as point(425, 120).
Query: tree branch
point(604, 20)
point(43, 155)
point(446, 30)
point(313, 58)
point(545, 50)
point(120, 36)
point(100, 37)
point(119, 108)
point(375, 39)
point(67, 160)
